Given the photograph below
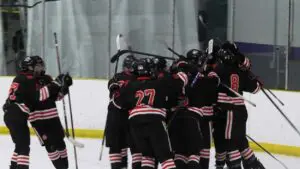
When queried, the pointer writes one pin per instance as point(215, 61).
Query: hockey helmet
point(33, 64)
point(143, 67)
point(194, 55)
point(128, 62)
point(160, 63)
point(230, 46)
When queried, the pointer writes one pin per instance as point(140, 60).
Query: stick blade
point(210, 46)
point(75, 143)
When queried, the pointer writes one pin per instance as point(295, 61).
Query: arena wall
point(266, 125)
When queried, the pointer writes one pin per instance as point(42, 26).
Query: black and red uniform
point(185, 130)
point(147, 99)
point(22, 101)
point(48, 127)
point(117, 123)
point(230, 126)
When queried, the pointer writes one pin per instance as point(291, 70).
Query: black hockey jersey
point(239, 81)
point(203, 94)
point(146, 97)
point(45, 109)
point(115, 83)
point(24, 93)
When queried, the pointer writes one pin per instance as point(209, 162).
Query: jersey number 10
point(140, 94)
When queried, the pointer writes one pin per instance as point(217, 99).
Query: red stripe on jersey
point(196, 110)
point(43, 115)
point(141, 110)
point(183, 77)
point(223, 98)
point(23, 107)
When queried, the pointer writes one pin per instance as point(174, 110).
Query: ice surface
point(88, 157)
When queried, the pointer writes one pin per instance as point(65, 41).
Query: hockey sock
point(247, 154)
point(193, 162)
point(168, 164)
point(124, 157)
point(136, 161)
point(204, 158)
point(148, 163)
point(180, 161)
point(23, 162)
point(64, 157)
point(220, 159)
point(13, 162)
point(22, 156)
point(234, 158)
point(115, 160)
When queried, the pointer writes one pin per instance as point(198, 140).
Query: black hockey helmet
point(143, 67)
point(230, 46)
point(160, 63)
point(33, 64)
point(128, 62)
point(194, 55)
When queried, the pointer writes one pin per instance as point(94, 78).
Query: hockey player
point(147, 99)
point(232, 127)
point(117, 120)
point(248, 157)
point(185, 130)
point(46, 122)
point(22, 100)
point(205, 123)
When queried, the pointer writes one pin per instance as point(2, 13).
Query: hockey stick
point(122, 52)
point(170, 49)
point(72, 140)
point(118, 43)
point(265, 150)
point(210, 51)
point(119, 49)
point(253, 76)
point(281, 112)
point(275, 96)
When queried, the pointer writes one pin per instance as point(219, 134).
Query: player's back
point(146, 97)
point(22, 92)
point(238, 81)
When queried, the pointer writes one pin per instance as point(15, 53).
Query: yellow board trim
point(273, 148)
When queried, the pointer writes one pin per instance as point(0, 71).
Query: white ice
point(88, 157)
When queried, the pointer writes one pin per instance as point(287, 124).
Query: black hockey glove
point(64, 80)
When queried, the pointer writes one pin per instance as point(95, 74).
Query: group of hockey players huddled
point(32, 97)
point(167, 115)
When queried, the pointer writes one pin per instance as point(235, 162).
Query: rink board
point(265, 124)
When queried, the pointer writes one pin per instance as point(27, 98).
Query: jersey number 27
point(149, 93)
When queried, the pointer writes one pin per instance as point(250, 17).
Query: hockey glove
point(64, 80)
